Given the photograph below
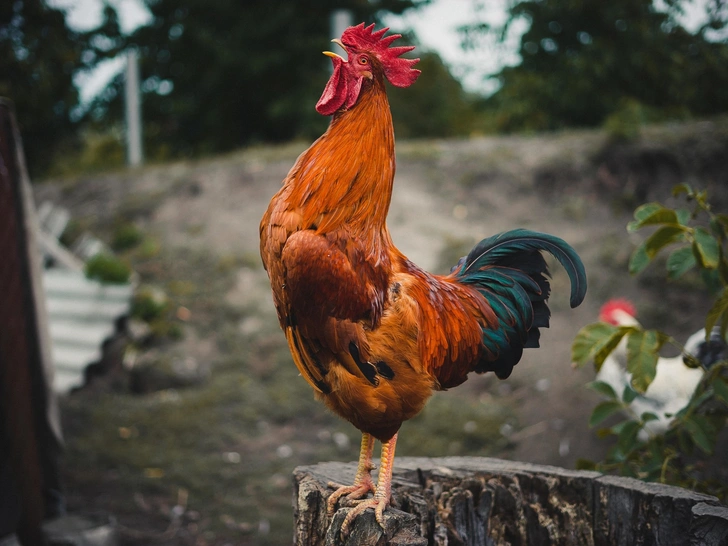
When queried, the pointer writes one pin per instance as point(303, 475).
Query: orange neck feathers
point(344, 180)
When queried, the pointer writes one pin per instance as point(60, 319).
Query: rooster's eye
point(363, 60)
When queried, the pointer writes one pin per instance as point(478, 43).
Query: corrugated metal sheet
point(83, 314)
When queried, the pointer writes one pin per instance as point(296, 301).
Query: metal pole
point(134, 152)
point(341, 19)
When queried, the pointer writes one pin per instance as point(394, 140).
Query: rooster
point(371, 332)
point(674, 382)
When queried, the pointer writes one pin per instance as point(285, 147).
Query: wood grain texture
point(472, 501)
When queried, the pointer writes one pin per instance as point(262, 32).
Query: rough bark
point(469, 501)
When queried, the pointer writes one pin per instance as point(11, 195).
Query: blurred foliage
point(673, 456)
point(624, 123)
point(94, 150)
point(39, 57)
point(107, 269)
point(436, 106)
point(584, 61)
point(126, 235)
point(212, 80)
point(245, 72)
point(149, 304)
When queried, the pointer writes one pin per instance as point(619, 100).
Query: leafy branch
point(657, 445)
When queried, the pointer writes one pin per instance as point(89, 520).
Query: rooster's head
point(618, 312)
point(370, 58)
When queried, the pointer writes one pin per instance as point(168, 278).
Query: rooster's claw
point(379, 506)
point(354, 492)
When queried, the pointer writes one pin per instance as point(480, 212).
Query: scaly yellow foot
point(362, 481)
point(383, 491)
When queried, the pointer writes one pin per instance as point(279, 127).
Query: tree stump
point(469, 501)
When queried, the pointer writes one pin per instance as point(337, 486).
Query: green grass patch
point(126, 236)
point(108, 269)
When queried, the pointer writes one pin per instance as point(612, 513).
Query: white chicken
point(674, 382)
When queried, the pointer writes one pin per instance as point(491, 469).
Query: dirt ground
point(448, 195)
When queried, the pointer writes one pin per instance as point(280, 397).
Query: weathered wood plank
point(473, 501)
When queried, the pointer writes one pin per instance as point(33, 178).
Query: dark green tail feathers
point(510, 271)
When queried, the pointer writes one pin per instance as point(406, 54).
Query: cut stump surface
point(473, 501)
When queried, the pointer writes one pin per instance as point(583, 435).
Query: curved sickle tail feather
point(493, 250)
point(509, 270)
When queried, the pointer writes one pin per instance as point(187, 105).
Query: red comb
point(398, 71)
point(608, 309)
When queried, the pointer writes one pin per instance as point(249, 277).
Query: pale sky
point(86, 15)
point(435, 24)
point(436, 27)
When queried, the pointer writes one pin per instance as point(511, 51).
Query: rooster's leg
point(363, 479)
point(381, 498)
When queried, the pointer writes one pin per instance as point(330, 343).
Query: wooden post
point(473, 501)
point(29, 421)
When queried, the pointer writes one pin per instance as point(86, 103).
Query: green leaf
point(627, 437)
point(652, 214)
point(683, 216)
point(617, 429)
point(723, 269)
point(604, 410)
point(646, 210)
point(603, 350)
point(662, 237)
point(605, 389)
point(614, 458)
point(701, 198)
point(718, 227)
point(582, 349)
point(722, 219)
point(712, 280)
point(720, 307)
point(706, 248)
point(652, 466)
point(642, 354)
point(680, 414)
point(700, 400)
point(628, 395)
point(720, 388)
point(679, 262)
point(648, 416)
point(639, 260)
point(595, 341)
point(657, 450)
point(682, 188)
point(700, 433)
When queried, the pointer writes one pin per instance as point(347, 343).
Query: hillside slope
point(202, 220)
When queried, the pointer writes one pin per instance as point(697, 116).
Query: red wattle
point(336, 90)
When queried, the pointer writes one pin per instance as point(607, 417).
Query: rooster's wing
point(328, 295)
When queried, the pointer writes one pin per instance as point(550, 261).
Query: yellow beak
point(331, 53)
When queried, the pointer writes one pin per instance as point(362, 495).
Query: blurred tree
point(39, 56)
point(218, 76)
point(436, 107)
point(584, 60)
